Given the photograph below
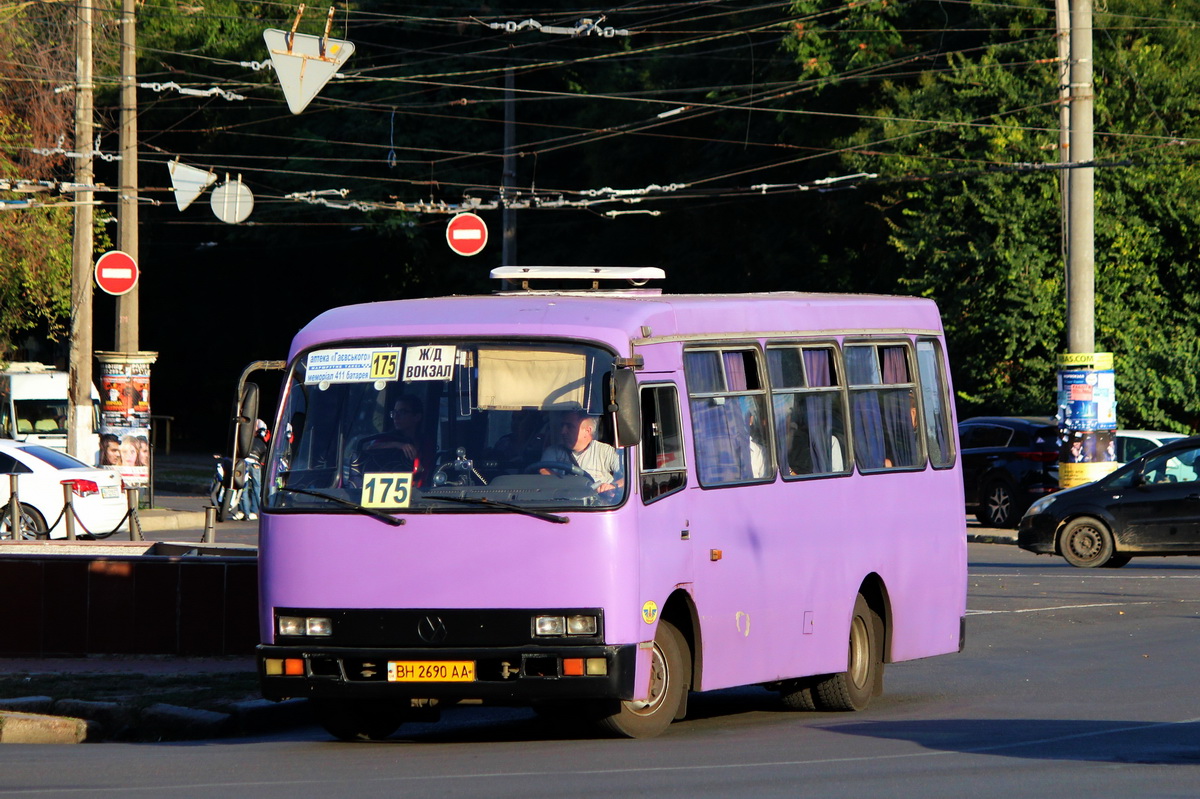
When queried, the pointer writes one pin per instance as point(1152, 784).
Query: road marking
point(1062, 607)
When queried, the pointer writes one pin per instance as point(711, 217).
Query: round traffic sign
point(116, 272)
point(466, 234)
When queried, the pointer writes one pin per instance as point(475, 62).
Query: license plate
point(110, 492)
point(431, 671)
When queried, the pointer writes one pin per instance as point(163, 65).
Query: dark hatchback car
point(1008, 462)
point(1149, 506)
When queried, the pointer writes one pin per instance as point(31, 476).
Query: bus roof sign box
point(304, 63)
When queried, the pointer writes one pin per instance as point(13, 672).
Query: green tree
point(971, 227)
point(35, 243)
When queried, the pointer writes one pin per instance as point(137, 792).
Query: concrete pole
point(1062, 17)
point(127, 209)
point(508, 216)
point(79, 421)
point(1081, 299)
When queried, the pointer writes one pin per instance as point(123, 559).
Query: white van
point(34, 406)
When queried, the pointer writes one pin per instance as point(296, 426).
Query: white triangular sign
point(188, 182)
point(307, 65)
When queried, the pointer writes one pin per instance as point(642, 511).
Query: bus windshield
point(454, 426)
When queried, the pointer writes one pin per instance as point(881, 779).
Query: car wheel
point(33, 526)
point(670, 680)
point(1086, 542)
point(853, 688)
point(998, 506)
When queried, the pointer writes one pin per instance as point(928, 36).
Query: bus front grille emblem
point(432, 630)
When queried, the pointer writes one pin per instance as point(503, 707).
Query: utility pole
point(508, 215)
point(1062, 17)
point(79, 422)
point(127, 209)
point(1081, 245)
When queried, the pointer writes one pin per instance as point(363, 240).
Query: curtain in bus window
point(862, 368)
point(735, 371)
point(900, 409)
point(869, 448)
point(819, 411)
point(936, 418)
point(703, 372)
point(722, 440)
point(515, 378)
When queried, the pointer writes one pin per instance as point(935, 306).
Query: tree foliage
point(35, 245)
point(972, 229)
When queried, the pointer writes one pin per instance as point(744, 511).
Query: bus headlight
point(565, 625)
point(304, 625)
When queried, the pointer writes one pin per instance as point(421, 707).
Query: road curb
point(992, 537)
point(112, 721)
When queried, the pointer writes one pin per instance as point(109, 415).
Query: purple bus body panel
point(778, 600)
point(448, 561)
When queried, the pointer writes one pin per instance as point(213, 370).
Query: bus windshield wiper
point(378, 514)
point(491, 503)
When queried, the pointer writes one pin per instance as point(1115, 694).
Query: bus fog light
point(316, 625)
point(581, 625)
point(273, 667)
point(291, 625)
point(549, 625)
point(596, 667)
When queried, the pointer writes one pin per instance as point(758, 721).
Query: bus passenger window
point(883, 407)
point(663, 469)
point(933, 399)
point(809, 410)
point(729, 416)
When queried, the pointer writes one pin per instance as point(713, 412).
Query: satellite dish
point(232, 201)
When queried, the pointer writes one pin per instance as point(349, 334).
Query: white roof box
point(634, 275)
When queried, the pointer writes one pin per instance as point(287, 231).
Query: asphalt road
point(1074, 683)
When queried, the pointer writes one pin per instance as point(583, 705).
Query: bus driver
point(580, 448)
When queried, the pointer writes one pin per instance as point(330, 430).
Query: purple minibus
point(594, 501)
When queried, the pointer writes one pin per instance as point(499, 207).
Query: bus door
point(737, 567)
point(664, 518)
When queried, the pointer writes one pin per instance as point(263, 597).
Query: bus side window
point(883, 407)
point(808, 401)
point(728, 402)
point(663, 469)
point(933, 399)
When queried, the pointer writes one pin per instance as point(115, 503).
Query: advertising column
point(1087, 417)
point(125, 415)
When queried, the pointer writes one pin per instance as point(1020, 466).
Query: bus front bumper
point(502, 675)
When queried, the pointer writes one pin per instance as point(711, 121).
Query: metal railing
point(19, 529)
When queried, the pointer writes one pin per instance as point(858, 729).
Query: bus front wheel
point(853, 688)
point(356, 720)
point(670, 680)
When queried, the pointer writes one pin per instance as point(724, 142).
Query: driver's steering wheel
point(557, 466)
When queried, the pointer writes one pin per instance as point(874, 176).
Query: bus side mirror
point(624, 401)
point(247, 412)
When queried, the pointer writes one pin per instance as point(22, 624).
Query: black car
point(1008, 462)
point(1149, 506)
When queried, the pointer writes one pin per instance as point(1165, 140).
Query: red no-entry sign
point(116, 272)
point(466, 234)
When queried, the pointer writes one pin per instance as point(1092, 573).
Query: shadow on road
point(1085, 740)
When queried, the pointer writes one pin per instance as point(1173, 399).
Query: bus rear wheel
point(853, 688)
point(358, 720)
point(670, 681)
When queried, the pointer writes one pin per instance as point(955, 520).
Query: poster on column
point(125, 421)
point(1087, 417)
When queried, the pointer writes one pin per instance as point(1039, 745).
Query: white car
point(1133, 444)
point(97, 495)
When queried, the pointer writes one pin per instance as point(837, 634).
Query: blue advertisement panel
point(1087, 417)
